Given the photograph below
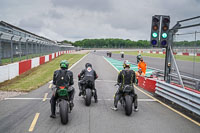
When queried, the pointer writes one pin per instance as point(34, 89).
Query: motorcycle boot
point(95, 96)
point(53, 107)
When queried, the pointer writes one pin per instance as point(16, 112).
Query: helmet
point(64, 64)
point(88, 65)
point(126, 64)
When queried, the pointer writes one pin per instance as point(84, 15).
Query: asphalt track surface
point(17, 115)
point(186, 68)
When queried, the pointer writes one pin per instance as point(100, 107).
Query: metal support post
point(176, 67)
point(168, 61)
point(32, 49)
point(20, 48)
point(0, 49)
point(36, 51)
point(27, 48)
point(11, 48)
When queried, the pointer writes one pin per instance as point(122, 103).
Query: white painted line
point(141, 100)
point(24, 98)
point(112, 81)
point(77, 62)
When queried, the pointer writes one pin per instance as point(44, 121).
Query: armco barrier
point(185, 98)
point(24, 66)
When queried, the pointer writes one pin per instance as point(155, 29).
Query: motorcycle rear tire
point(64, 108)
point(128, 105)
point(88, 97)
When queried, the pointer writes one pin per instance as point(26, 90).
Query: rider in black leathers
point(125, 77)
point(88, 74)
point(62, 77)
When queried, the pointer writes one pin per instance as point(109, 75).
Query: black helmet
point(88, 65)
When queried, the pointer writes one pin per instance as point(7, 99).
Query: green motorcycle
point(63, 104)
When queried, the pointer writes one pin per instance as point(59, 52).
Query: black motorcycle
point(127, 99)
point(87, 91)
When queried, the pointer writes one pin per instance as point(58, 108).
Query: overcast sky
point(78, 19)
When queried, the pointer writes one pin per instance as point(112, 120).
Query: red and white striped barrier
point(10, 71)
point(159, 52)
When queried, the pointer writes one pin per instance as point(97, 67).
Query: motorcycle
point(127, 99)
point(88, 92)
point(63, 104)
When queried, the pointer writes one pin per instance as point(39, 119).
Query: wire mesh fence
point(17, 44)
point(188, 43)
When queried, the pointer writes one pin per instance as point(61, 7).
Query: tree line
point(121, 43)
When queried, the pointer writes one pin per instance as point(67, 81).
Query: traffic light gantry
point(159, 30)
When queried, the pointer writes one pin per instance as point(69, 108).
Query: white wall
point(13, 70)
point(4, 73)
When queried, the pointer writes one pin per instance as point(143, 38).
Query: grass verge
point(38, 76)
point(178, 57)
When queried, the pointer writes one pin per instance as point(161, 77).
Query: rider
point(87, 74)
point(125, 77)
point(138, 58)
point(62, 77)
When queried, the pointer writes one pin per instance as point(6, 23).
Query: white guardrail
point(185, 98)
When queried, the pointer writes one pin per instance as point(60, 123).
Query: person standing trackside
point(142, 65)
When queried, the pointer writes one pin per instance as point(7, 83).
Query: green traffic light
point(154, 34)
point(164, 35)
